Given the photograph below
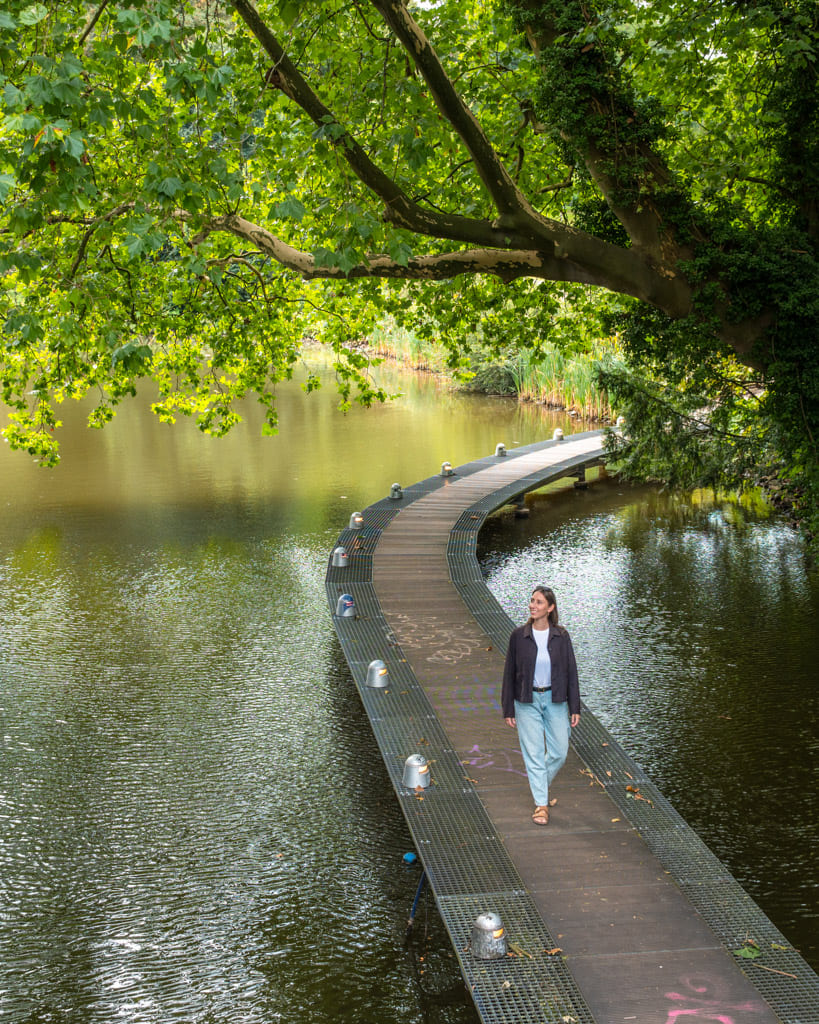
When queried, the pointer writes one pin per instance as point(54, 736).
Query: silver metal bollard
point(500, 448)
point(340, 556)
point(377, 675)
point(396, 493)
point(345, 606)
point(356, 521)
point(416, 772)
point(488, 937)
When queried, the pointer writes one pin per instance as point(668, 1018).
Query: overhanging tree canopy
point(188, 189)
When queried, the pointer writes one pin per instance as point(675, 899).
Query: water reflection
point(146, 475)
point(197, 823)
point(695, 622)
point(200, 826)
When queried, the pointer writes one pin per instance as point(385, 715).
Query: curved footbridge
point(616, 911)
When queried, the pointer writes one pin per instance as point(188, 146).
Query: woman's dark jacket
point(519, 670)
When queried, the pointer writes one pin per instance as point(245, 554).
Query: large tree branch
point(629, 172)
point(516, 212)
point(285, 76)
point(555, 251)
point(399, 208)
point(525, 229)
point(507, 264)
point(507, 197)
point(515, 209)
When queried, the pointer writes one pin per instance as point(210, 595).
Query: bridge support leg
point(419, 890)
point(521, 508)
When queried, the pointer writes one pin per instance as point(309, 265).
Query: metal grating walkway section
point(625, 914)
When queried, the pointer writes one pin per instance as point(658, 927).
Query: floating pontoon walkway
point(616, 911)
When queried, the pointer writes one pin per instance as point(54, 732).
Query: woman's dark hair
point(549, 594)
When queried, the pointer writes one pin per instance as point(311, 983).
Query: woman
point(541, 696)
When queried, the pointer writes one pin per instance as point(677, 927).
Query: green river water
point(195, 822)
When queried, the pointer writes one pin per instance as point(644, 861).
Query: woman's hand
point(511, 722)
point(575, 720)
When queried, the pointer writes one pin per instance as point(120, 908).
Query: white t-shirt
point(543, 664)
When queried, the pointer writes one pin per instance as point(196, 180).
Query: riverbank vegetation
point(188, 189)
point(553, 376)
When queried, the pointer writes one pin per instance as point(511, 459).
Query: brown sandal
point(541, 815)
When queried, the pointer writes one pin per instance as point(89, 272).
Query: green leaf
point(289, 10)
point(400, 252)
point(289, 209)
point(23, 123)
point(67, 91)
point(34, 14)
point(169, 187)
point(131, 357)
point(135, 245)
point(12, 96)
point(750, 951)
point(74, 145)
point(129, 17)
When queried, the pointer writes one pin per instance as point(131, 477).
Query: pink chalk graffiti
point(698, 1005)
point(482, 760)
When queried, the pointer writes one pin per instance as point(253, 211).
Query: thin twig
point(92, 22)
point(773, 970)
point(566, 183)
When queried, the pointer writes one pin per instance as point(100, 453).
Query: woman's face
point(539, 607)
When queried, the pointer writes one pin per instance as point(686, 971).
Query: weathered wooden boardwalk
point(617, 910)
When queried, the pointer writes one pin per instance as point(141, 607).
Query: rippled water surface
point(696, 626)
point(195, 823)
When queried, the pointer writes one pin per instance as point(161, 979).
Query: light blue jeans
point(543, 731)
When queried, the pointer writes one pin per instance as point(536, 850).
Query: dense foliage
point(189, 189)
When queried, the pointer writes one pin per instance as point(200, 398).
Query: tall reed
point(406, 347)
point(563, 380)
